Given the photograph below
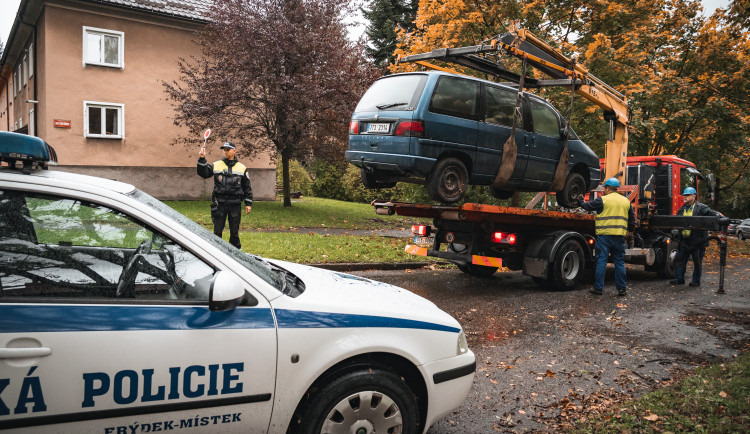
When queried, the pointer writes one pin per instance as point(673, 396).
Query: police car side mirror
point(227, 292)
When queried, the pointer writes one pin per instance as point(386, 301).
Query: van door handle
point(23, 353)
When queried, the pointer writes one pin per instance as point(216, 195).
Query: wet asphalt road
point(541, 351)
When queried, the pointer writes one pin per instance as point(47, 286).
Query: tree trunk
point(285, 177)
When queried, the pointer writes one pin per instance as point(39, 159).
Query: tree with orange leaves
point(686, 76)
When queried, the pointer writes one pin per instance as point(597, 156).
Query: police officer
point(615, 220)
point(691, 242)
point(231, 187)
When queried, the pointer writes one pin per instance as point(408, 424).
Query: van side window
point(456, 97)
point(545, 119)
point(500, 104)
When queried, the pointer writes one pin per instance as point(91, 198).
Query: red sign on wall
point(61, 124)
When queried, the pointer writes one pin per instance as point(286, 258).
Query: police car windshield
point(256, 264)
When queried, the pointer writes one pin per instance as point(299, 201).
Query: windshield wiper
point(385, 106)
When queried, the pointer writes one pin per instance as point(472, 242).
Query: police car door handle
point(21, 353)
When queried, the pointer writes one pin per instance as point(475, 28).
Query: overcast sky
point(8, 9)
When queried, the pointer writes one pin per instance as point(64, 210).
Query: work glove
point(629, 239)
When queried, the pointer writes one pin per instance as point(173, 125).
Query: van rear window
point(398, 92)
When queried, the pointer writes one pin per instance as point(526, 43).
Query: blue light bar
point(30, 151)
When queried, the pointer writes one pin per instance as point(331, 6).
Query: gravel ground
point(547, 358)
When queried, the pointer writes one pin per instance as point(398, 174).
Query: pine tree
point(385, 16)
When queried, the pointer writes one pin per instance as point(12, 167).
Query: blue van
point(447, 131)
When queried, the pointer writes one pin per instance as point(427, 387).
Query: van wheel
point(477, 270)
point(370, 181)
point(448, 181)
point(370, 400)
point(574, 187)
point(499, 194)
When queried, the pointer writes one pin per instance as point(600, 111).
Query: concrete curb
point(361, 266)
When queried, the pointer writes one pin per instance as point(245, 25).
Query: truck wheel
point(568, 266)
point(448, 181)
point(499, 194)
point(370, 400)
point(477, 270)
point(574, 186)
point(370, 181)
point(667, 270)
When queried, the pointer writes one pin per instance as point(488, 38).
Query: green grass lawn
point(306, 212)
point(317, 249)
point(309, 248)
point(714, 400)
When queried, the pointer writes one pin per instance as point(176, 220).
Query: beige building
point(87, 77)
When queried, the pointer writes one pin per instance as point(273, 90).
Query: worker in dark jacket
point(615, 221)
point(691, 242)
point(231, 187)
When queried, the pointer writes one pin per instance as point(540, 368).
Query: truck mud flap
point(535, 267)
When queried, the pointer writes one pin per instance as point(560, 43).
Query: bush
point(299, 179)
point(327, 181)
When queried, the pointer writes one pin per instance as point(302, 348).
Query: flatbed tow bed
point(554, 247)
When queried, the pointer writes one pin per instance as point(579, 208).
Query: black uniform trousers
point(219, 216)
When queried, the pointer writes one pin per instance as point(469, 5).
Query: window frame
point(32, 126)
point(25, 65)
point(15, 83)
point(104, 105)
point(102, 32)
point(31, 60)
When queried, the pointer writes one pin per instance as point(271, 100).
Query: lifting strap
point(561, 172)
point(510, 150)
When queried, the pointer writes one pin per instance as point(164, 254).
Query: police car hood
point(340, 292)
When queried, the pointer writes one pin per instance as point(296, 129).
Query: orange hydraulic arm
point(524, 45)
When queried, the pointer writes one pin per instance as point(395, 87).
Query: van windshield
point(398, 92)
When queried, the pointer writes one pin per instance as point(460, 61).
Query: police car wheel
point(361, 402)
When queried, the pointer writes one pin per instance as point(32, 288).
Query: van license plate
point(378, 128)
point(423, 240)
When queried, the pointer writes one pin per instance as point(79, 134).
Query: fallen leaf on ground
point(652, 417)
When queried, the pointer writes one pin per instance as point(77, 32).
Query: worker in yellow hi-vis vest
point(691, 243)
point(231, 187)
point(615, 221)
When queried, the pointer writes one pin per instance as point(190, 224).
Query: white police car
point(120, 315)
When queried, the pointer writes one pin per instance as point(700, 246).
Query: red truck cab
point(662, 179)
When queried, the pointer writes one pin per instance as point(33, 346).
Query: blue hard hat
point(612, 182)
point(689, 190)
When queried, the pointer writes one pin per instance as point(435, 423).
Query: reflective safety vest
point(221, 166)
point(613, 220)
point(688, 212)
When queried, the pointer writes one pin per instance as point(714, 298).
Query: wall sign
point(61, 124)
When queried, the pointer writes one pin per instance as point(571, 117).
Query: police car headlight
point(462, 346)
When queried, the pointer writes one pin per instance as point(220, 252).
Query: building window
point(20, 77)
point(103, 120)
point(31, 60)
point(25, 64)
point(15, 84)
point(103, 47)
point(32, 131)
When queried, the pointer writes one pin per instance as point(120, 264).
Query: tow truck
point(555, 246)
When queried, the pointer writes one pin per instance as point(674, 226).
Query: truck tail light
point(353, 127)
point(505, 238)
point(421, 230)
point(410, 129)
